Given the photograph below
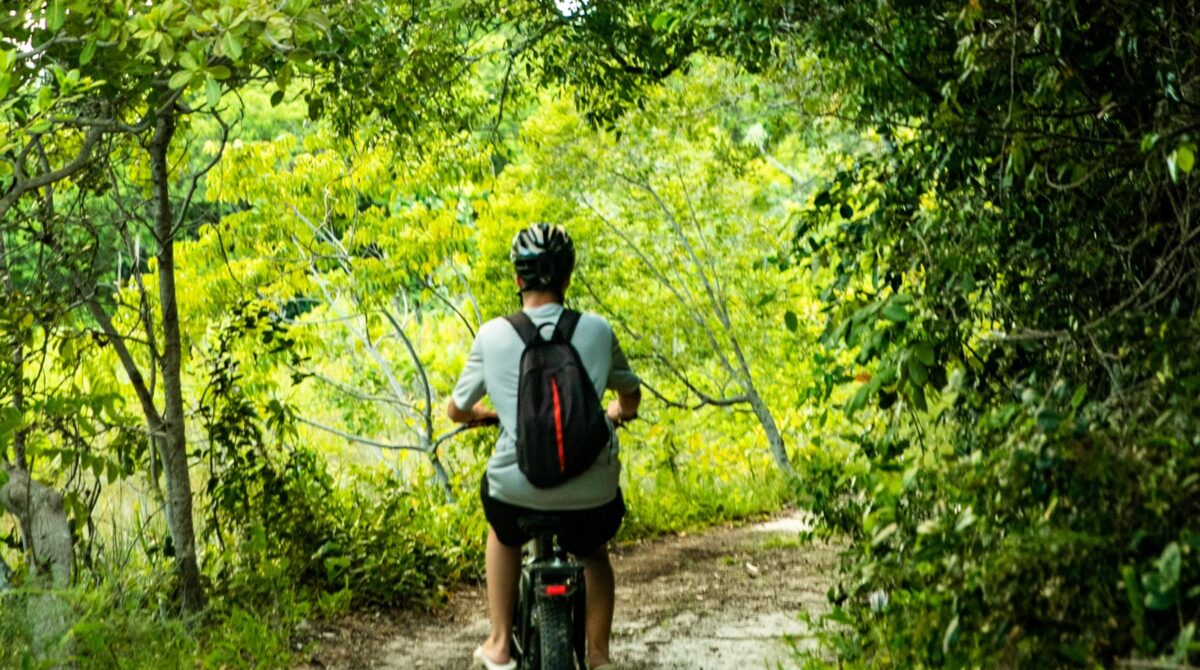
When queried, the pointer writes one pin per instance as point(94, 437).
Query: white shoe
point(482, 661)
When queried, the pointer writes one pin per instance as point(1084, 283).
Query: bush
point(388, 542)
point(1051, 533)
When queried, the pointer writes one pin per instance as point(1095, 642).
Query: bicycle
point(551, 612)
point(550, 618)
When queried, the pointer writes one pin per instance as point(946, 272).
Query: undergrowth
point(316, 547)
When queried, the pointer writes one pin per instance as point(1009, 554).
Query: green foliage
point(1010, 255)
point(1009, 268)
point(385, 541)
point(119, 625)
point(675, 483)
point(967, 226)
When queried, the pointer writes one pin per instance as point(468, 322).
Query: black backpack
point(561, 427)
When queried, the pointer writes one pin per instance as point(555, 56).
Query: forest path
point(723, 598)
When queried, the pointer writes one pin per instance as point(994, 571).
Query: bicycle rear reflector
point(556, 590)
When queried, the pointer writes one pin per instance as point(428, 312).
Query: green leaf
point(895, 312)
point(10, 422)
point(884, 533)
point(1169, 565)
point(924, 353)
point(56, 15)
point(284, 76)
point(789, 318)
point(89, 50)
point(1049, 420)
point(1185, 159)
point(219, 72)
point(1133, 595)
point(1183, 643)
point(1162, 584)
point(188, 61)
point(965, 519)
point(233, 45)
point(951, 635)
point(180, 79)
point(212, 91)
point(917, 373)
point(1079, 396)
point(859, 400)
point(916, 394)
point(276, 98)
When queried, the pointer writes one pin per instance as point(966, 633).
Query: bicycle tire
point(554, 629)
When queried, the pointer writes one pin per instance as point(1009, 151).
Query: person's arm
point(476, 414)
point(469, 390)
point(627, 385)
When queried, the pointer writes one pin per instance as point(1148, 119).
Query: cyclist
point(544, 257)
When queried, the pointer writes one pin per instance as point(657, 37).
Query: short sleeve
point(471, 388)
point(620, 376)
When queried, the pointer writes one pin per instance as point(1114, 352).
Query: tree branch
point(351, 391)
point(22, 186)
point(704, 400)
point(359, 439)
point(131, 368)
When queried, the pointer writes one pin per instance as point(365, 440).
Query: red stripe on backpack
point(562, 453)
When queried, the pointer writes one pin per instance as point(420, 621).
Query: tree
point(367, 245)
point(86, 84)
point(655, 206)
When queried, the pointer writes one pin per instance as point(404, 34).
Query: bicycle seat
point(545, 523)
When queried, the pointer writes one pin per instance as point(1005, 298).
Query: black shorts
point(584, 530)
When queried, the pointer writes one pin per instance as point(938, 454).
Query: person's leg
point(503, 571)
point(601, 600)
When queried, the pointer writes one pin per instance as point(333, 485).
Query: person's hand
point(614, 413)
point(484, 416)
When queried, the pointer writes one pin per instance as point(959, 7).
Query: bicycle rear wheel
point(554, 626)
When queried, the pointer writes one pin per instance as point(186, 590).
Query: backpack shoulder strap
point(566, 325)
point(524, 326)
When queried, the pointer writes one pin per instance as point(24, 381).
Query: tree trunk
point(39, 511)
point(765, 418)
point(174, 442)
point(774, 438)
point(47, 537)
point(443, 477)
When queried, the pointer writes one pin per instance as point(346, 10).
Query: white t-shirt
point(493, 368)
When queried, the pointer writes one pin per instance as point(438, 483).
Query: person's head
point(543, 257)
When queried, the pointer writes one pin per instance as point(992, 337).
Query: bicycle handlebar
point(483, 423)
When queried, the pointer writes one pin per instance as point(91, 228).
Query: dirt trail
point(719, 599)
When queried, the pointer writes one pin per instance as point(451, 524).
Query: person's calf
point(503, 564)
point(601, 601)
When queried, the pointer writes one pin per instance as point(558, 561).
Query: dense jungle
point(926, 272)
